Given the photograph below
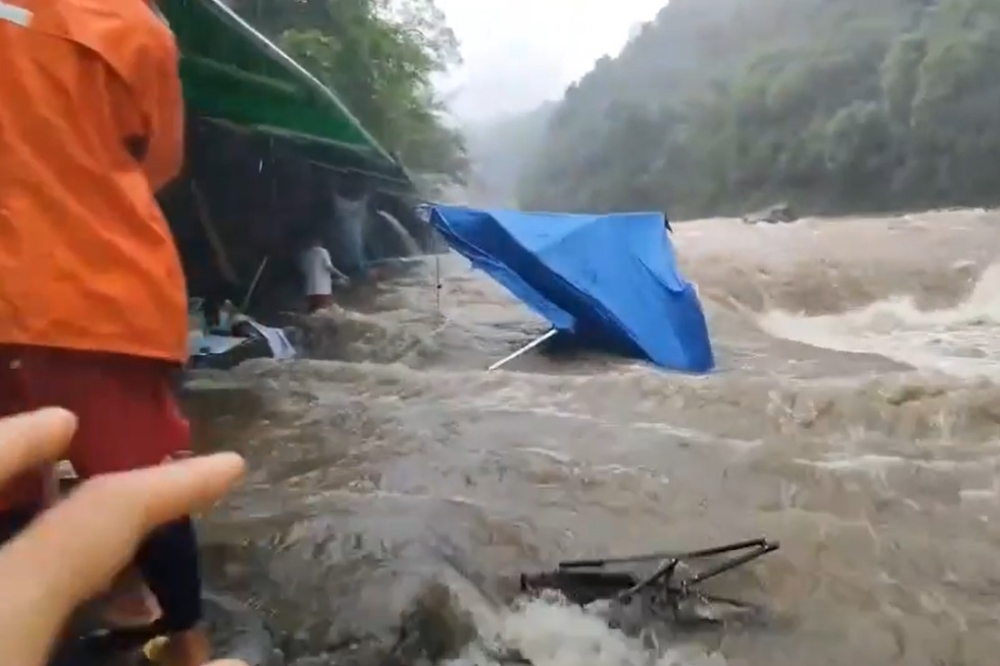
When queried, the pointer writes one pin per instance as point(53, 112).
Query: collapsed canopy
point(610, 280)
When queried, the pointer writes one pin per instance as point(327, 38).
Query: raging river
point(855, 417)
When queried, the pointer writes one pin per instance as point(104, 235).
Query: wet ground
point(855, 417)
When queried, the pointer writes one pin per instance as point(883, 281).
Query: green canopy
point(232, 73)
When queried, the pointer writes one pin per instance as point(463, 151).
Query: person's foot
point(189, 648)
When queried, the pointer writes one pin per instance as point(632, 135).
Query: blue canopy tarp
point(609, 280)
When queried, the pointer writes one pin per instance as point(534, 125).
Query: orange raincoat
point(91, 126)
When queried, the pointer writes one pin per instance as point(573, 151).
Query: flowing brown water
point(855, 417)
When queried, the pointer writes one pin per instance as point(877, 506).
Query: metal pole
point(437, 280)
point(253, 285)
point(526, 348)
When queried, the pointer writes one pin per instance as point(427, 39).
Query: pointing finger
point(74, 549)
point(106, 519)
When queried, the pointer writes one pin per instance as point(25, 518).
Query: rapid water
point(855, 417)
point(410, 246)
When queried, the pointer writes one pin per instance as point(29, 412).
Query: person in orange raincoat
point(93, 304)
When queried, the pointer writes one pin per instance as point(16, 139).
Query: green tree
point(380, 56)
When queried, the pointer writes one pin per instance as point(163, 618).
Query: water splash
point(963, 340)
point(405, 237)
point(548, 633)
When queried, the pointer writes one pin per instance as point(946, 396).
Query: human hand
point(74, 550)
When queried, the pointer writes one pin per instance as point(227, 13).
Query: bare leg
point(129, 603)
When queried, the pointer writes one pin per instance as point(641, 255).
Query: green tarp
point(232, 73)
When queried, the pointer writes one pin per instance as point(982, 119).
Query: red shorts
point(319, 301)
point(128, 414)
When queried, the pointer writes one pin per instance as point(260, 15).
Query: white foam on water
point(552, 634)
point(547, 631)
point(874, 463)
point(963, 341)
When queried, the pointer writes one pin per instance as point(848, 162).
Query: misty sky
point(518, 53)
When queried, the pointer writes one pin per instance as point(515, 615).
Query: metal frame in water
point(665, 594)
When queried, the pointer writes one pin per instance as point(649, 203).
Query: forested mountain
point(721, 106)
point(498, 152)
point(379, 55)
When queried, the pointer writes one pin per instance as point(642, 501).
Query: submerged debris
point(775, 214)
point(669, 594)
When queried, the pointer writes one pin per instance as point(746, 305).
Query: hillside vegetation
point(722, 106)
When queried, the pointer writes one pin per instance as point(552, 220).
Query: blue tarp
point(609, 280)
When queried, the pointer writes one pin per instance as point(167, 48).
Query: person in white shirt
point(320, 275)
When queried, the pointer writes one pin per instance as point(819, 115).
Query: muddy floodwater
point(855, 417)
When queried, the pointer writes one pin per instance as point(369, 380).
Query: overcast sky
point(519, 53)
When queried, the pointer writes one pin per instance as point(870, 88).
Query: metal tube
point(526, 348)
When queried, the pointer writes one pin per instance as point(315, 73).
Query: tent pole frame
point(253, 285)
point(437, 281)
point(523, 350)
